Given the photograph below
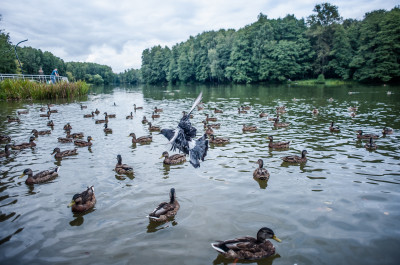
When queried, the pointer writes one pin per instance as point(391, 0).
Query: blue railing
point(37, 78)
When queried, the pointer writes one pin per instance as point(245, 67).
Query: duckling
point(261, 173)
point(209, 130)
point(23, 112)
point(218, 140)
point(13, 119)
point(174, 159)
point(157, 110)
point(333, 128)
point(97, 112)
point(165, 210)
point(134, 105)
point(144, 120)
point(315, 111)
point(248, 248)
point(387, 131)
point(40, 177)
point(5, 138)
point(263, 114)
point(210, 118)
point(218, 110)
point(50, 123)
point(82, 202)
point(84, 143)
point(106, 129)
point(91, 115)
point(371, 145)
point(58, 154)
point(110, 115)
point(245, 107)
point(281, 124)
point(250, 128)
point(277, 145)
point(122, 168)
point(24, 145)
point(67, 127)
point(154, 116)
point(6, 151)
point(142, 139)
point(36, 133)
point(360, 135)
point(295, 158)
point(129, 116)
point(154, 128)
point(83, 107)
point(241, 111)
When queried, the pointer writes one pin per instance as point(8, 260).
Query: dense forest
point(268, 50)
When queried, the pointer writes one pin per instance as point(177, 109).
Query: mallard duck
point(142, 139)
point(263, 114)
point(52, 110)
point(245, 107)
point(274, 119)
point(5, 138)
point(102, 121)
point(6, 151)
point(174, 159)
point(154, 128)
point(210, 118)
point(144, 120)
point(97, 112)
point(281, 108)
point(91, 115)
point(50, 123)
point(13, 119)
point(281, 124)
point(110, 115)
point(250, 128)
point(106, 129)
point(58, 154)
point(36, 133)
point(67, 127)
point(241, 111)
point(157, 110)
point(24, 145)
point(78, 135)
point(218, 140)
point(43, 109)
point(84, 143)
point(22, 112)
point(209, 130)
point(217, 110)
point(40, 177)
point(165, 210)
point(371, 145)
point(333, 128)
point(134, 105)
point(295, 158)
point(353, 114)
point(248, 248)
point(277, 145)
point(81, 202)
point(360, 135)
point(315, 111)
point(212, 125)
point(64, 140)
point(387, 131)
point(200, 106)
point(130, 116)
point(83, 107)
point(122, 168)
point(261, 173)
point(353, 108)
point(154, 116)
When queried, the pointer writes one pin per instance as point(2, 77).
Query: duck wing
point(199, 151)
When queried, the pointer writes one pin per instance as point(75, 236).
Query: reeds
point(25, 89)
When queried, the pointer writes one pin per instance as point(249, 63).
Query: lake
point(340, 207)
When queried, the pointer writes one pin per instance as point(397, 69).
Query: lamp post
point(16, 54)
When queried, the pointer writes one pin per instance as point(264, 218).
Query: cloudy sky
point(116, 32)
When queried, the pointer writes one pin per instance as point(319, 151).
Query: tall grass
point(326, 82)
point(24, 89)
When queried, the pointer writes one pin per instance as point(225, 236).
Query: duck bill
point(161, 157)
point(71, 203)
point(23, 174)
point(277, 239)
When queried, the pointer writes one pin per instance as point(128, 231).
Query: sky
point(115, 33)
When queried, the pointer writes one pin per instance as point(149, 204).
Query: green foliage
point(7, 57)
point(321, 79)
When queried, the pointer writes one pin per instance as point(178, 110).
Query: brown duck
point(165, 210)
point(277, 145)
point(360, 135)
point(250, 128)
point(84, 201)
point(40, 177)
point(24, 145)
point(295, 158)
point(142, 139)
point(261, 173)
point(84, 143)
point(36, 133)
point(153, 128)
point(174, 159)
point(58, 154)
point(6, 151)
point(122, 168)
point(218, 140)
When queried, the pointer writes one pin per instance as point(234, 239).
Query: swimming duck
point(174, 159)
point(245, 107)
point(129, 116)
point(50, 123)
point(109, 115)
point(23, 112)
point(84, 143)
point(217, 110)
point(6, 151)
point(371, 145)
point(58, 154)
point(274, 119)
point(40, 177)
point(209, 130)
point(5, 138)
point(106, 129)
point(142, 139)
point(154, 116)
point(333, 128)
point(43, 109)
point(91, 115)
point(13, 119)
point(277, 145)
point(102, 121)
point(165, 210)
point(200, 106)
point(387, 131)
point(241, 111)
point(36, 133)
point(353, 114)
point(295, 158)
point(83, 107)
point(212, 125)
point(263, 114)
point(210, 118)
point(353, 108)
point(122, 168)
point(218, 140)
point(261, 173)
point(144, 120)
point(78, 135)
point(360, 135)
point(157, 110)
point(315, 111)
point(81, 202)
point(248, 248)
point(250, 128)
point(134, 105)
point(281, 109)
point(281, 124)
point(64, 140)
point(52, 110)
point(97, 112)
point(24, 145)
point(67, 127)
point(154, 128)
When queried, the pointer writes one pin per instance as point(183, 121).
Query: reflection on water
point(338, 206)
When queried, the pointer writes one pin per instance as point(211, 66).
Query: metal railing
point(37, 78)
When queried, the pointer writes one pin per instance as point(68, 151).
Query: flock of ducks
point(247, 248)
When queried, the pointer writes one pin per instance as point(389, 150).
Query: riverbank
point(25, 89)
